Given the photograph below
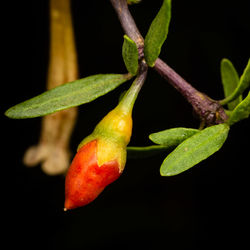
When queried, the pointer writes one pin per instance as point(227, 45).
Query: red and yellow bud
point(100, 159)
point(86, 179)
point(101, 156)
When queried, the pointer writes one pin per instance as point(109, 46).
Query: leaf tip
point(9, 113)
point(151, 64)
point(150, 137)
point(224, 60)
point(127, 38)
point(166, 173)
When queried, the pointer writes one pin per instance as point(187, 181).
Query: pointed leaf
point(67, 95)
point(242, 86)
point(144, 152)
point(195, 149)
point(245, 78)
point(157, 33)
point(230, 81)
point(242, 111)
point(172, 137)
point(130, 55)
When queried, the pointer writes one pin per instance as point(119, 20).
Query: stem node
point(209, 111)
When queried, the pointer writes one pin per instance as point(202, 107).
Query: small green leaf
point(195, 149)
point(157, 33)
point(133, 1)
point(172, 137)
point(242, 86)
point(245, 78)
point(241, 111)
point(130, 55)
point(67, 95)
point(230, 81)
point(144, 152)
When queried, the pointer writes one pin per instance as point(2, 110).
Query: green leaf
point(242, 86)
point(130, 55)
point(195, 149)
point(144, 152)
point(230, 81)
point(133, 1)
point(67, 95)
point(172, 137)
point(245, 78)
point(157, 33)
point(241, 112)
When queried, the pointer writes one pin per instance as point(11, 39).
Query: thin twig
point(209, 111)
point(128, 24)
point(127, 21)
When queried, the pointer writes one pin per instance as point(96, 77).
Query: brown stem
point(53, 148)
point(209, 111)
point(128, 23)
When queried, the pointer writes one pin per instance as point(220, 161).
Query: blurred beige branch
point(52, 150)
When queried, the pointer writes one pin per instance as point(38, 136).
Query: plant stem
point(176, 80)
point(128, 24)
point(209, 111)
point(130, 96)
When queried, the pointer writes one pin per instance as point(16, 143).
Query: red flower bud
point(86, 179)
point(101, 156)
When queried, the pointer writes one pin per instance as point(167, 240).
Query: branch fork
point(209, 111)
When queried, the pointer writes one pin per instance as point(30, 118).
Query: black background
point(203, 207)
